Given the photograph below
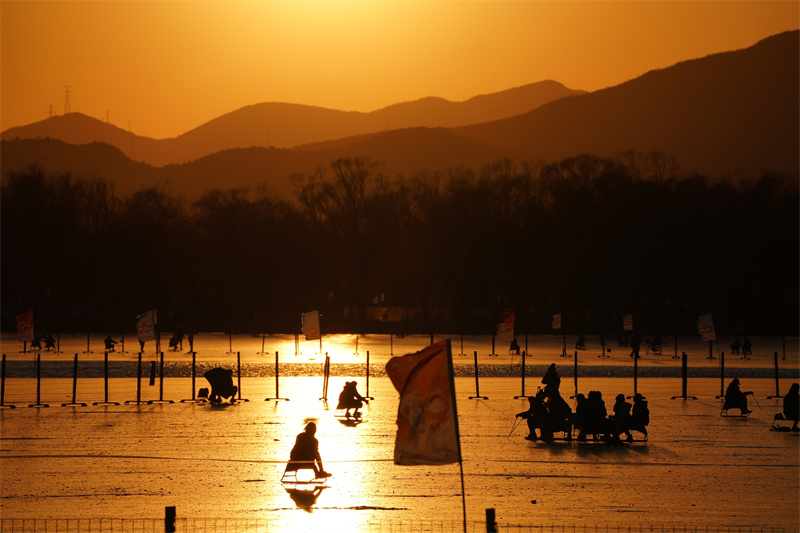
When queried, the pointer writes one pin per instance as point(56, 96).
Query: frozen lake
point(222, 463)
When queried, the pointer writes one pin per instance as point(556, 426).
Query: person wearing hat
point(734, 397)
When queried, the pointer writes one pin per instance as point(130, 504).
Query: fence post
point(3, 386)
point(777, 383)
point(477, 385)
point(239, 376)
point(169, 519)
point(491, 525)
point(105, 383)
point(74, 385)
point(277, 393)
point(684, 378)
point(575, 373)
point(721, 376)
point(39, 383)
point(368, 397)
point(522, 375)
point(326, 375)
point(138, 382)
point(160, 383)
point(194, 373)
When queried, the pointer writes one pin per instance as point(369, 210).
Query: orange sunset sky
point(160, 68)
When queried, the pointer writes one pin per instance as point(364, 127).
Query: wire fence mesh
point(262, 525)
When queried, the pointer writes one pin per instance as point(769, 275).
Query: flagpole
point(458, 433)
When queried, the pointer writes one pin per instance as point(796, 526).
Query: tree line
point(589, 237)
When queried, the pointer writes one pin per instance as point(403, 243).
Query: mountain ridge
point(728, 114)
point(285, 125)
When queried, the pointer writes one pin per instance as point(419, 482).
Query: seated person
point(640, 414)
point(596, 423)
point(49, 343)
point(622, 418)
point(551, 379)
point(736, 346)
point(222, 387)
point(747, 347)
point(175, 341)
point(735, 398)
point(791, 405)
point(514, 347)
point(580, 344)
point(559, 414)
point(536, 415)
point(581, 415)
point(305, 453)
point(349, 398)
point(109, 342)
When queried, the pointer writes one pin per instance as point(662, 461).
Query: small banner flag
point(25, 326)
point(557, 321)
point(146, 326)
point(310, 324)
point(505, 329)
point(427, 431)
point(627, 323)
point(705, 327)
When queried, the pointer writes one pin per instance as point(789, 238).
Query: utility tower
point(66, 99)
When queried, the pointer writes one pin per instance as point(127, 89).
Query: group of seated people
point(549, 413)
point(592, 418)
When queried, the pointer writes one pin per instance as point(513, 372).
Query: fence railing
point(579, 374)
point(262, 525)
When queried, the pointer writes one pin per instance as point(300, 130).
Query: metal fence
point(261, 525)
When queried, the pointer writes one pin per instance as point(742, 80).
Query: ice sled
point(341, 413)
point(781, 423)
point(222, 387)
point(726, 408)
point(302, 473)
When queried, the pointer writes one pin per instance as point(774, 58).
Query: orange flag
point(427, 429)
point(310, 324)
point(505, 329)
point(25, 326)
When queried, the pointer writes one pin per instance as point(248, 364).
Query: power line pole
point(67, 108)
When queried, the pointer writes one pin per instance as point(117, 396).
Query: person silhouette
point(735, 398)
point(580, 344)
point(791, 405)
point(736, 346)
point(305, 452)
point(514, 346)
point(110, 343)
point(640, 414)
point(49, 342)
point(222, 387)
point(536, 415)
point(622, 418)
point(636, 345)
point(747, 347)
point(551, 379)
point(559, 414)
point(350, 398)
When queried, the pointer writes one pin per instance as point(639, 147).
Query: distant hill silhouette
point(284, 125)
point(729, 113)
point(724, 113)
point(401, 151)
